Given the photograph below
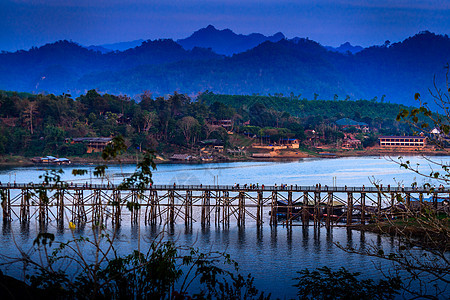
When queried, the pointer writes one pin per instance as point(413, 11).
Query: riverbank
point(15, 160)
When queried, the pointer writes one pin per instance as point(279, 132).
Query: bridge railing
point(245, 187)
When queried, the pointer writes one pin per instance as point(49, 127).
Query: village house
point(224, 123)
point(350, 142)
point(93, 144)
point(402, 141)
point(211, 145)
point(51, 160)
point(282, 144)
point(312, 138)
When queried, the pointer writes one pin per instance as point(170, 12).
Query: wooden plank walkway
point(221, 204)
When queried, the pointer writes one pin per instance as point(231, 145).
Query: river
point(272, 255)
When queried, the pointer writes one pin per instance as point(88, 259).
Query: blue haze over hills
point(224, 62)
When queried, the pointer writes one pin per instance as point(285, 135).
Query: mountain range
point(224, 62)
point(226, 41)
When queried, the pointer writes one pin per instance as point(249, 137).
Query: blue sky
point(26, 23)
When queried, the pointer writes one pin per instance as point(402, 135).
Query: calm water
point(352, 171)
point(272, 255)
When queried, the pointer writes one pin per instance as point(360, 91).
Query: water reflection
point(272, 254)
point(353, 171)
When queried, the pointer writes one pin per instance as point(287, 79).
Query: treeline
point(312, 113)
point(41, 124)
point(33, 125)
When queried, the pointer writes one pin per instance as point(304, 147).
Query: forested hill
point(301, 107)
point(298, 66)
point(57, 67)
point(39, 125)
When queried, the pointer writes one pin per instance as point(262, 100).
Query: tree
point(189, 127)
point(208, 129)
point(29, 113)
point(150, 118)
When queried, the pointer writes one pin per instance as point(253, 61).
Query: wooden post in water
point(97, 213)
point(6, 204)
point(78, 210)
point(363, 208)
point(316, 208)
point(289, 214)
point(379, 206)
point(25, 206)
point(116, 209)
point(329, 209)
point(226, 208)
point(171, 207)
point(305, 212)
point(205, 208)
point(43, 206)
point(218, 206)
point(134, 206)
point(241, 212)
point(259, 209)
point(274, 209)
point(208, 207)
point(188, 208)
point(349, 208)
point(154, 206)
point(60, 206)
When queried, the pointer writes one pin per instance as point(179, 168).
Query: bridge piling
point(349, 208)
point(99, 204)
point(274, 209)
point(363, 208)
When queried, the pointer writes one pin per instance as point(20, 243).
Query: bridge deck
point(232, 188)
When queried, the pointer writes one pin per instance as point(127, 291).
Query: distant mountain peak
point(346, 48)
point(225, 41)
point(279, 35)
point(122, 46)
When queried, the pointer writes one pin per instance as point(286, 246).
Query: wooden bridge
point(221, 204)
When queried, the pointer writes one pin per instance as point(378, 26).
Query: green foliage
point(44, 238)
point(324, 283)
point(165, 271)
point(100, 171)
point(303, 108)
point(52, 177)
point(142, 177)
point(79, 172)
point(165, 123)
point(275, 111)
point(114, 149)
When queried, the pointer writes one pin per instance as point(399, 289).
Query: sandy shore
point(11, 161)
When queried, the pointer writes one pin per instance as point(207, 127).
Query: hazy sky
point(26, 23)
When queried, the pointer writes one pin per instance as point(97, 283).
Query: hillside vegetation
point(394, 72)
point(34, 125)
